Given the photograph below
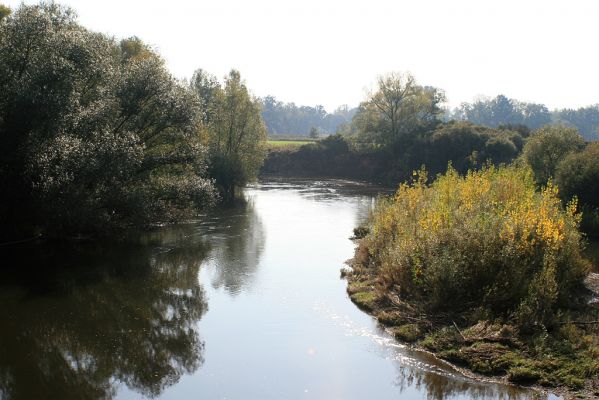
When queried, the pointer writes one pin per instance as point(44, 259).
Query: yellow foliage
point(468, 230)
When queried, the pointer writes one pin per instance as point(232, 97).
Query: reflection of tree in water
point(124, 316)
point(438, 386)
point(237, 243)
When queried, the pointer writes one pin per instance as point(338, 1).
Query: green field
point(288, 143)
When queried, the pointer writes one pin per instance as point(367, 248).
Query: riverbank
point(563, 360)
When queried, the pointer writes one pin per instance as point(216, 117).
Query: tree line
point(401, 126)
point(502, 110)
point(97, 136)
point(289, 119)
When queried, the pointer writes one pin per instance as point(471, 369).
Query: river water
point(246, 303)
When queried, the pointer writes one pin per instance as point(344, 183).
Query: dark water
point(245, 304)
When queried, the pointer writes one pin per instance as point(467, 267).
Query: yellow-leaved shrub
point(487, 240)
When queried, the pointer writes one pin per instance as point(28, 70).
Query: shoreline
point(484, 352)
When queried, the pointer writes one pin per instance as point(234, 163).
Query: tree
point(578, 175)
point(95, 135)
point(397, 108)
point(504, 111)
point(586, 119)
point(313, 133)
point(4, 11)
point(547, 147)
point(234, 131)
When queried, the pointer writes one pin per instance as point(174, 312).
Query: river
point(246, 303)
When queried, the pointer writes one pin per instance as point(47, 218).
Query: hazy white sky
point(329, 51)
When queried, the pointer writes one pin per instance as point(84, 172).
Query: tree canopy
point(289, 119)
point(547, 147)
point(234, 130)
point(95, 134)
point(396, 108)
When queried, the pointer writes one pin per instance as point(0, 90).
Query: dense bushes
point(463, 144)
point(487, 242)
point(577, 175)
point(547, 147)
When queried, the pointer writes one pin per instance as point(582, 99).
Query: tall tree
point(234, 130)
point(398, 107)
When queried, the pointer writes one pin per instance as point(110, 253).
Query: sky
point(330, 52)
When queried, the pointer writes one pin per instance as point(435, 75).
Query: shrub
point(578, 175)
point(487, 239)
point(547, 147)
point(500, 149)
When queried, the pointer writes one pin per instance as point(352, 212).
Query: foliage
point(398, 107)
point(503, 111)
point(469, 146)
point(464, 145)
point(547, 147)
point(577, 175)
point(4, 11)
point(234, 130)
point(313, 133)
point(487, 240)
point(286, 118)
point(585, 119)
point(95, 135)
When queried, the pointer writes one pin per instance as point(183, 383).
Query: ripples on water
point(245, 303)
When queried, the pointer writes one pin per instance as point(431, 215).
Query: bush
point(484, 240)
point(547, 147)
point(500, 149)
point(578, 175)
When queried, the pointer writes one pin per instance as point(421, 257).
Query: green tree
point(547, 147)
point(4, 11)
point(234, 130)
point(578, 175)
point(398, 107)
point(504, 111)
point(313, 133)
point(94, 137)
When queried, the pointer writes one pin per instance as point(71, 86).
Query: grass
point(287, 143)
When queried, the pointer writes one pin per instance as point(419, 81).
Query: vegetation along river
point(246, 303)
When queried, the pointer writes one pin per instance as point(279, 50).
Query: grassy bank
point(564, 359)
point(487, 273)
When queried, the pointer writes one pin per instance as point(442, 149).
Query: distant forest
point(290, 119)
point(505, 111)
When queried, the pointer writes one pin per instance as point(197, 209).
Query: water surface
point(246, 303)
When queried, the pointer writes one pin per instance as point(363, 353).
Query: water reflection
point(79, 320)
point(237, 239)
point(90, 322)
point(439, 386)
